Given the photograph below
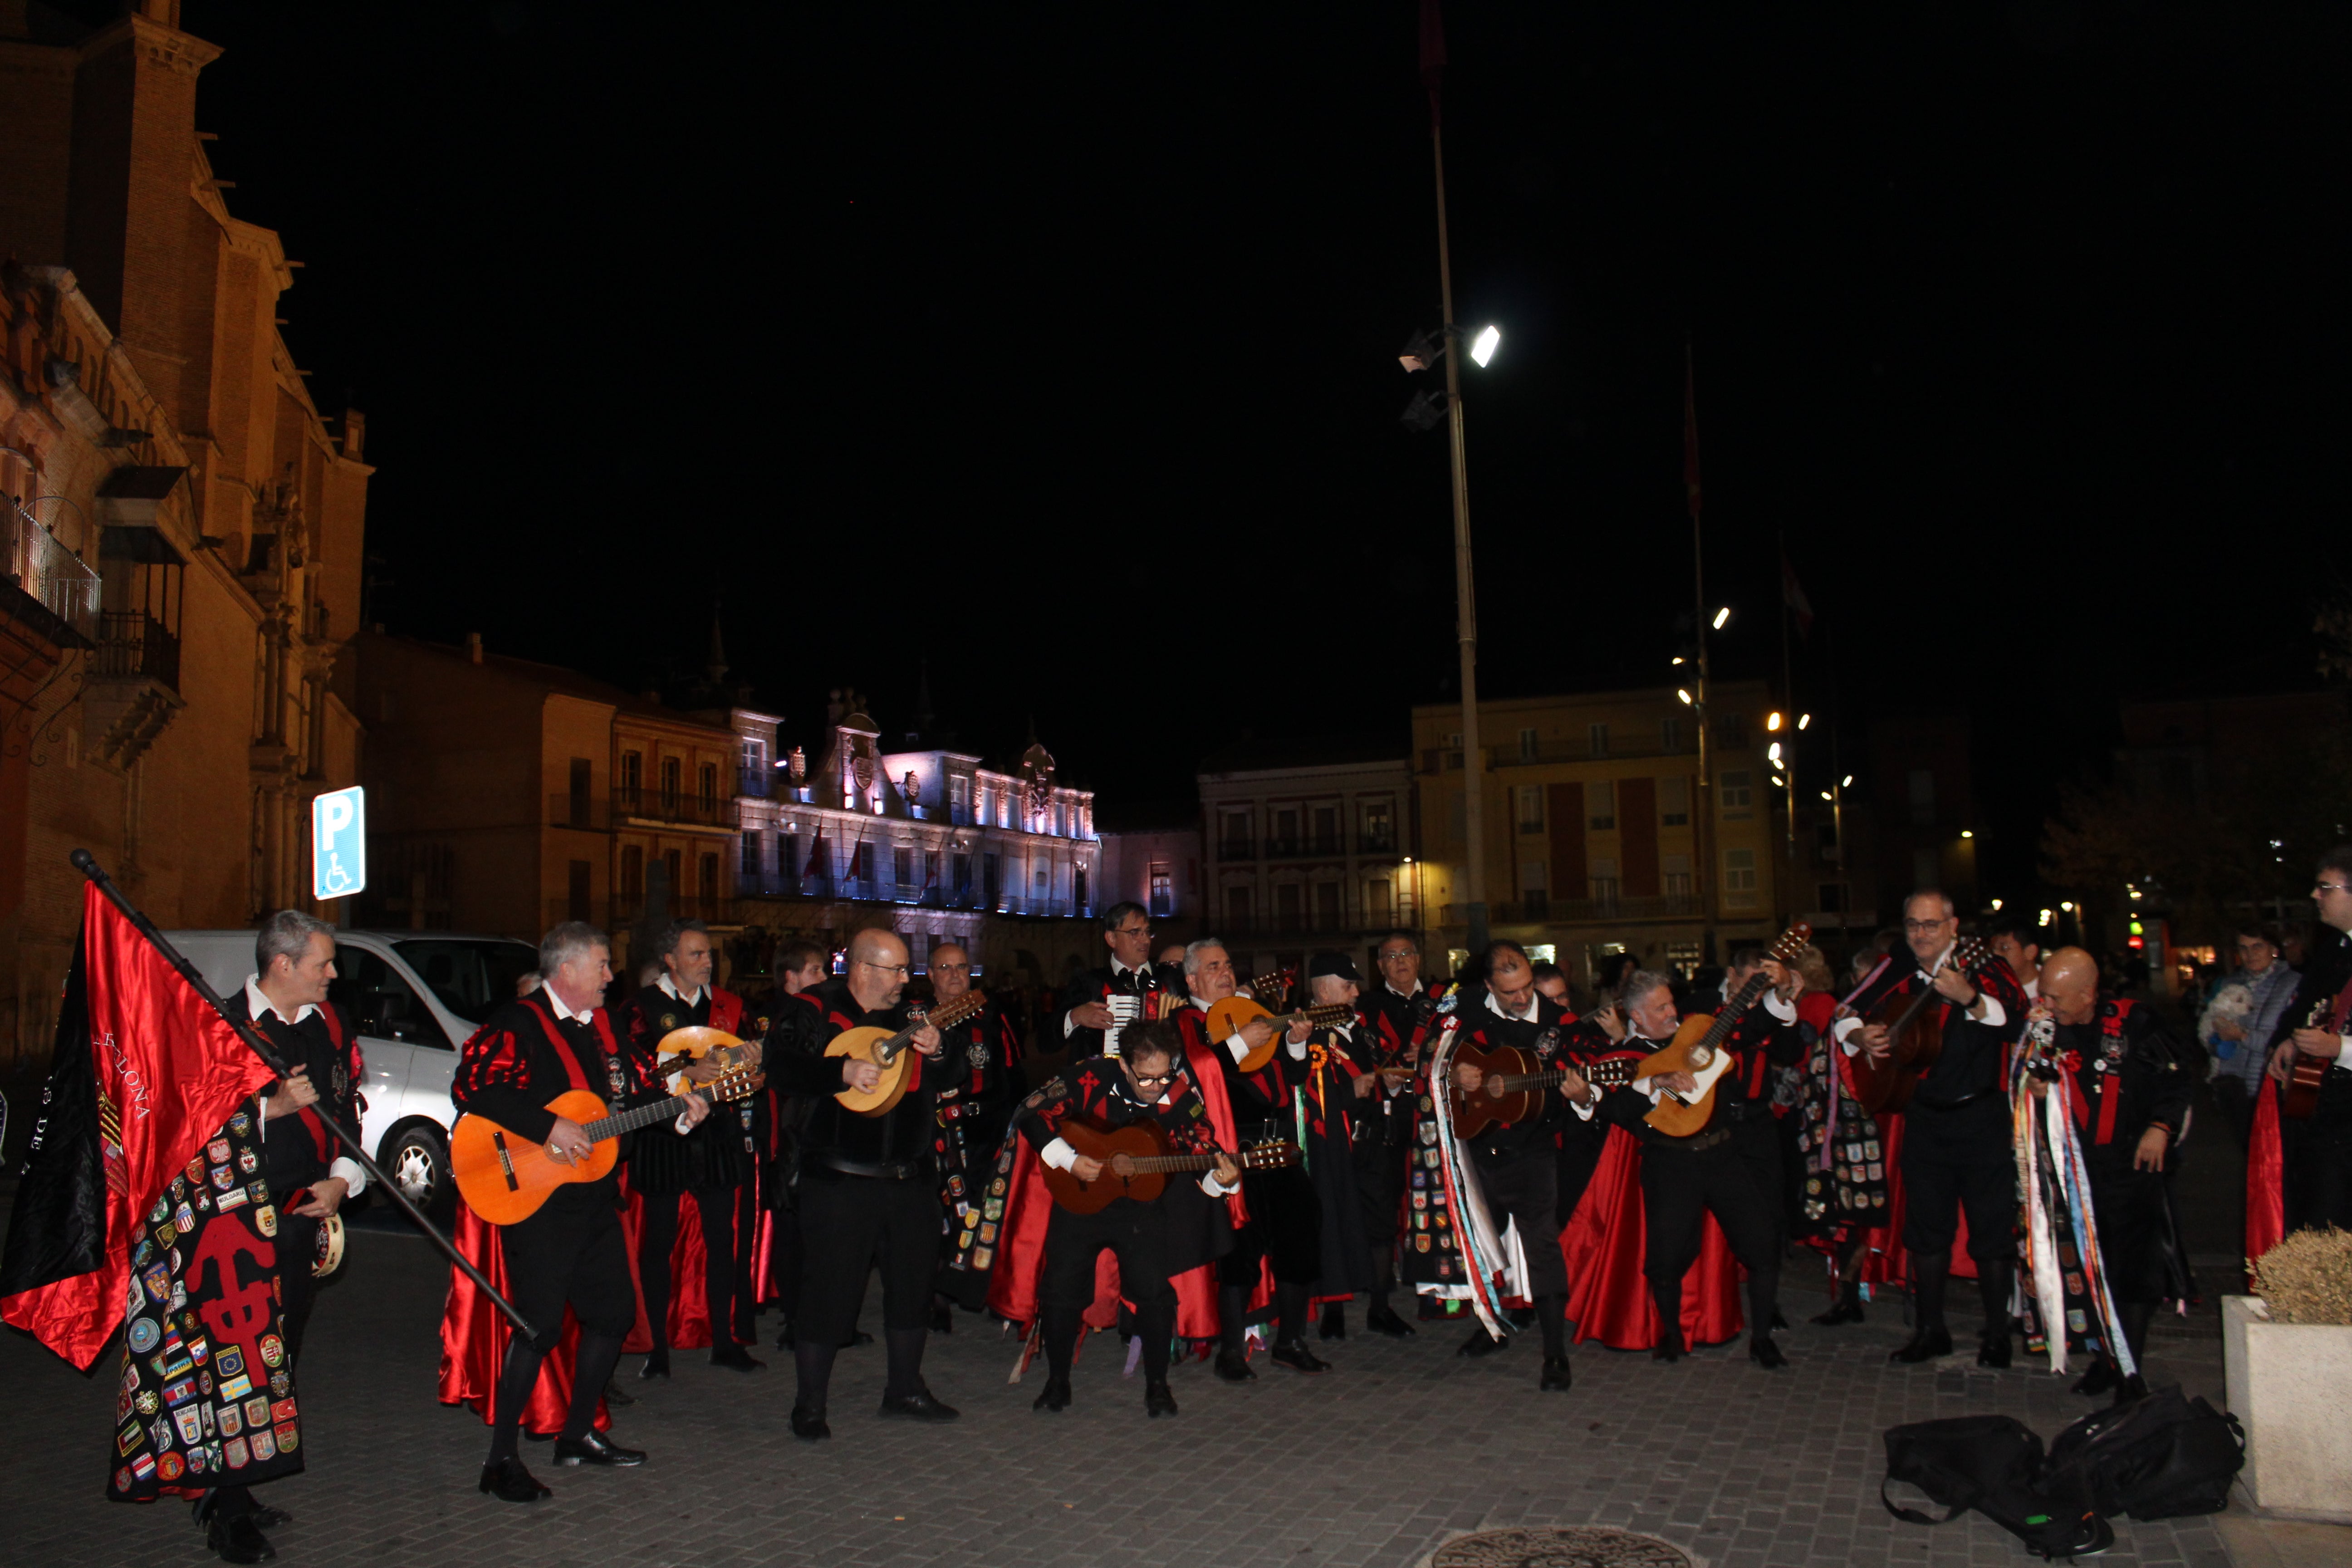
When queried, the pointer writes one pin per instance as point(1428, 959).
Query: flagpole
point(86, 864)
point(1789, 696)
point(1705, 802)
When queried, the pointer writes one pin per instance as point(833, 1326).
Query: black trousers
point(1757, 1136)
point(848, 1225)
point(2128, 1206)
point(1524, 1186)
point(1679, 1187)
point(1383, 1146)
point(1577, 1156)
point(1136, 1234)
point(1285, 1228)
point(297, 1252)
point(572, 1251)
point(726, 1268)
point(2317, 1175)
point(1956, 1160)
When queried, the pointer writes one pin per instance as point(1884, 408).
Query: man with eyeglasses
point(1957, 1152)
point(2316, 1153)
point(869, 1185)
point(979, 1082)
point(1099, 1004)
point(1154, 1242)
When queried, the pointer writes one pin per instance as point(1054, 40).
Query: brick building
point(184, 534)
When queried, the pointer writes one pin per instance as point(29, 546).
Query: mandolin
point(1696, 1048)
point(1515, 1085)
point(1915, 1037)
point(1229, 1016)
point(2299, 1095)
point(694, 1043)
point(890, 1053)
point(1136, 1163)
point(505, 1177)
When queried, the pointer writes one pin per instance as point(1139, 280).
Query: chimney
point(473, 646)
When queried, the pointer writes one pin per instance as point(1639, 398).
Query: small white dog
point(2232, 1004)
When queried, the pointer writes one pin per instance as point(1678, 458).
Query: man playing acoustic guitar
point(1153, 1241)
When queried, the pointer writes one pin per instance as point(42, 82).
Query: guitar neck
point(638, 1116)
point(1151, 1164)
point(1734, 1010)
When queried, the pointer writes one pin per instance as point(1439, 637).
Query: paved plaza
point(1377, 1463)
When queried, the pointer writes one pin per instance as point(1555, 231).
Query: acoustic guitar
point(1915, 1037)
point(1517, 1082)
point(505, 1177)
point(2299, 1095)
point(1696, 1048)
point(890, 1053)
point(1136, 1163)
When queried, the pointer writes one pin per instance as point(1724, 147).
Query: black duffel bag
point(2157, 1457)
point(1994, 1464)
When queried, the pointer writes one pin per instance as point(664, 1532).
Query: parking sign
point(339, 843)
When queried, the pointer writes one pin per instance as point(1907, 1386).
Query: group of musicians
point(796, 1197)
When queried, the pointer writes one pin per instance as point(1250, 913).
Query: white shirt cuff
point(1647, 1087)
point(1995, 1015)
point(1215, 1188)
point(1069, 1026)
point(1059, 1154)
point(1298, 1049)
point(1780, 1009)
point(1842, 1032)
point(2344, 1054)
point(1583, 1111)
point(349, 1170)
point(1239, 1047)
point(682, 1124)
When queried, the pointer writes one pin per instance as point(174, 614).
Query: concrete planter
point(2291, 1385)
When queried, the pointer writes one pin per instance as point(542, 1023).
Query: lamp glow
point(1683, 695)
point(1482, 347)
point(1722, 616)
point(1803, 720)
point(1772, 722)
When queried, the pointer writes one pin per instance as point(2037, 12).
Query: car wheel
point(418, 1164)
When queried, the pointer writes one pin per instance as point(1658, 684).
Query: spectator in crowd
point(2239, 1044)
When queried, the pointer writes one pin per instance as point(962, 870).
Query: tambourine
point(330, 1261)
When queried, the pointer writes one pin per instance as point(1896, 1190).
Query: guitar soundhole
point(1702, 1058)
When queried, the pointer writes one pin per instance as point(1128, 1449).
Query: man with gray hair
point(307, 1174)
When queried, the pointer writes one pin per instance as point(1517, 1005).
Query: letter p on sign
point(339, 843)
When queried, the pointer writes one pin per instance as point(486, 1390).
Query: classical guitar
point(2299, 1095)
point(1517, 1083)
point(1696, 1048)
point(1915, 1037)
point(1136, 1163)
point(505, 1177)
point(891, 1053)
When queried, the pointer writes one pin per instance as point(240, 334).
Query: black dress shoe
point(596, 1448)
point(1993, 1351)
point(1555, 1375)
point(735, 1358)
point(1157, 1401)
point(1766, 1355)
point(507, 1480)
point(809, 1424)
point(857, 1337)
point(919, 1405)
point(1845, 1309)
point(1666, 1350)
point(1481, 1342)
point(2101, 1378)
point(942, 1318)
point(1384, 1320)
point(1053, 1396)
point(1233, 1367)
point(1334, 1321)
point(1927, 1344)
point(657, 1364)
point(237, 1540)
point(1522, 1317)
point(612, 1395)
point(1294, 1354)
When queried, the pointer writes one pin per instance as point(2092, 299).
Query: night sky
point(1056, 345)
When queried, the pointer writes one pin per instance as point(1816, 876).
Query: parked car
point(416, 996)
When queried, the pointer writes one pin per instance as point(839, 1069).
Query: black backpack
point(1994, 1464)
point(2157, 1457)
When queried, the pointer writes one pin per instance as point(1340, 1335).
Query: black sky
point(1055, 343)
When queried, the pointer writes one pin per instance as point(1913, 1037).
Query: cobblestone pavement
point(1376, 1463)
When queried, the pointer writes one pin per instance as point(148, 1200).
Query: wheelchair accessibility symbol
point(339, 843)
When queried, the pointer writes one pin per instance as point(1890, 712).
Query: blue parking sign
point(339, 843)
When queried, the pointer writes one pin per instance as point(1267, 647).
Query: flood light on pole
point(1483, 346)
point(1722, 616)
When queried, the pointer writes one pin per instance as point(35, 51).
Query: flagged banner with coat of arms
point(143, 1206)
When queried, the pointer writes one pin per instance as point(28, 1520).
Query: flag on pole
point(1433, 54)
point(145, 1077)
point(816, 866)
point(1690, 431)
point(1792, 594)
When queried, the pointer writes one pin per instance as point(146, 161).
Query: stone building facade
point(184, 533)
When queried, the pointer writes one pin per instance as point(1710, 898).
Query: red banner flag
point(816, 863)
point(1792, 594)
point(155, 1072)
point(1433, 54)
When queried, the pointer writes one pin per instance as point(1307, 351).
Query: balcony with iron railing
point(648, 804)
point(1539, 910)
point(134, 645)
point(879, 891)
point(58, 590)
point(1304, 846)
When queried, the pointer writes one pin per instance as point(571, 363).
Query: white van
point(416, 996)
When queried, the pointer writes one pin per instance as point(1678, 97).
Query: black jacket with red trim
point(2126, 1071)
point(712, 1156)
point(1762, 1043)
point(1546, 1036)
point(831, 1131)
point(1265, 1095)
point(1974, 1061)
point(978, 1073)
point(1101, 985)
point(1097, 1089)
point(298, 1151)
point(511, 1068)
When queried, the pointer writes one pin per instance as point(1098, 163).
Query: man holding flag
point(145, 1204)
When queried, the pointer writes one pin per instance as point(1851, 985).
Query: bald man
point(980, 1079)
point(868, 1188)
point(2128, 1080)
